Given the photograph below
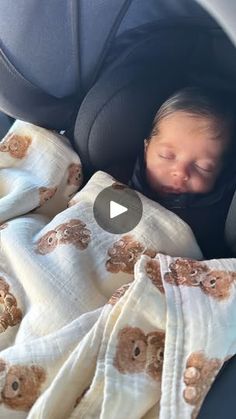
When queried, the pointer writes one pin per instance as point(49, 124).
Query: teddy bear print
point(192, 273)
point(154, 273)
point(218, 284)
point(124, 254)
point(10, 313)
point(199, 374)
point(118, 294)
point(73, 232)
point(22, 385)
point(137, 352)
point(45, 194)
point(186, 272)
point(75, 176)
point(15, 145)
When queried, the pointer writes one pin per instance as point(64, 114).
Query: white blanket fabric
point(97, 325)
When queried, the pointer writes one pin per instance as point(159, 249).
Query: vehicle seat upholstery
point(5, 124)
point(116, 114)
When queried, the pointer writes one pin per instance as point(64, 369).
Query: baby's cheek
point(156, 170)
point(153, 177)
point(202, 185)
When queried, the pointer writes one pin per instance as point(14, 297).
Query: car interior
point(98, 74)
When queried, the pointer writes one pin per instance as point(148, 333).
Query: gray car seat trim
point(21, 99)
point(40, 38)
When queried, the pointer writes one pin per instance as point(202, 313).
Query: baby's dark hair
point(213, 104)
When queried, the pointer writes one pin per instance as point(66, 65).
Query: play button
point(117, 209)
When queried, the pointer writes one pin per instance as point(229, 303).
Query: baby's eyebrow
point(167, 145)
point(211, 158)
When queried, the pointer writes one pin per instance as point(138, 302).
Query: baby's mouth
point(172, 190)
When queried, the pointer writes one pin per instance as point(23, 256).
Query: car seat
point(5, 124)
point(99, 70)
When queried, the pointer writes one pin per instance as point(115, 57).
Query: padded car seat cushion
point(113, 122)
point(116, 114)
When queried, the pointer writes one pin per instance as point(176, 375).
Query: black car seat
point(5, 124)
point(144, 67)
point(99, 70)
point(52, 53)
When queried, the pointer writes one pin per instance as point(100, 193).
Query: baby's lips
point(169, 189)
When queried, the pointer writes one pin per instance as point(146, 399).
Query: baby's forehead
point(179, 125)
point(184, 119)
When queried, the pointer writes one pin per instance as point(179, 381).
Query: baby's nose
point(180, 172)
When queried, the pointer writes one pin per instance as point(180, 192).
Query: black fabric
point(106, 16)
point(5, 124)
point(141, 12)
point(138, 76)
point(204, 213)
point(21, 99)
point(115, 117)
point(220, 401)
point(59, 46)
point(142, 69)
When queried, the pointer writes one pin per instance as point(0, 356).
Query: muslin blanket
point(95, 324)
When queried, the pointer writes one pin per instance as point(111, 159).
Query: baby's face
point(184, 156)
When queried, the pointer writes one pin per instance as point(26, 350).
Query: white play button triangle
point(116, 209)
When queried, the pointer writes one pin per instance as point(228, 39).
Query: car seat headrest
point(116, 115)
point(114, 120)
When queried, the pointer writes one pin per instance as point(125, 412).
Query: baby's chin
point(173, 189)
point(167, 190)
point(163, 190)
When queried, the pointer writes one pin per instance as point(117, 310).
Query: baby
point(186, 164)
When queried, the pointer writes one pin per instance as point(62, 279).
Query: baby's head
point(189, 142)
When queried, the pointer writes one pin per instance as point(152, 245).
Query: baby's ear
point(145, 146)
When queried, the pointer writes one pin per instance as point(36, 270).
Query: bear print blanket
point(95, 324)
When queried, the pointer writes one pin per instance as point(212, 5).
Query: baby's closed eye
point(205, 167)
point(166, 155)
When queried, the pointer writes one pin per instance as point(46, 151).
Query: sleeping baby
point(187, 164)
